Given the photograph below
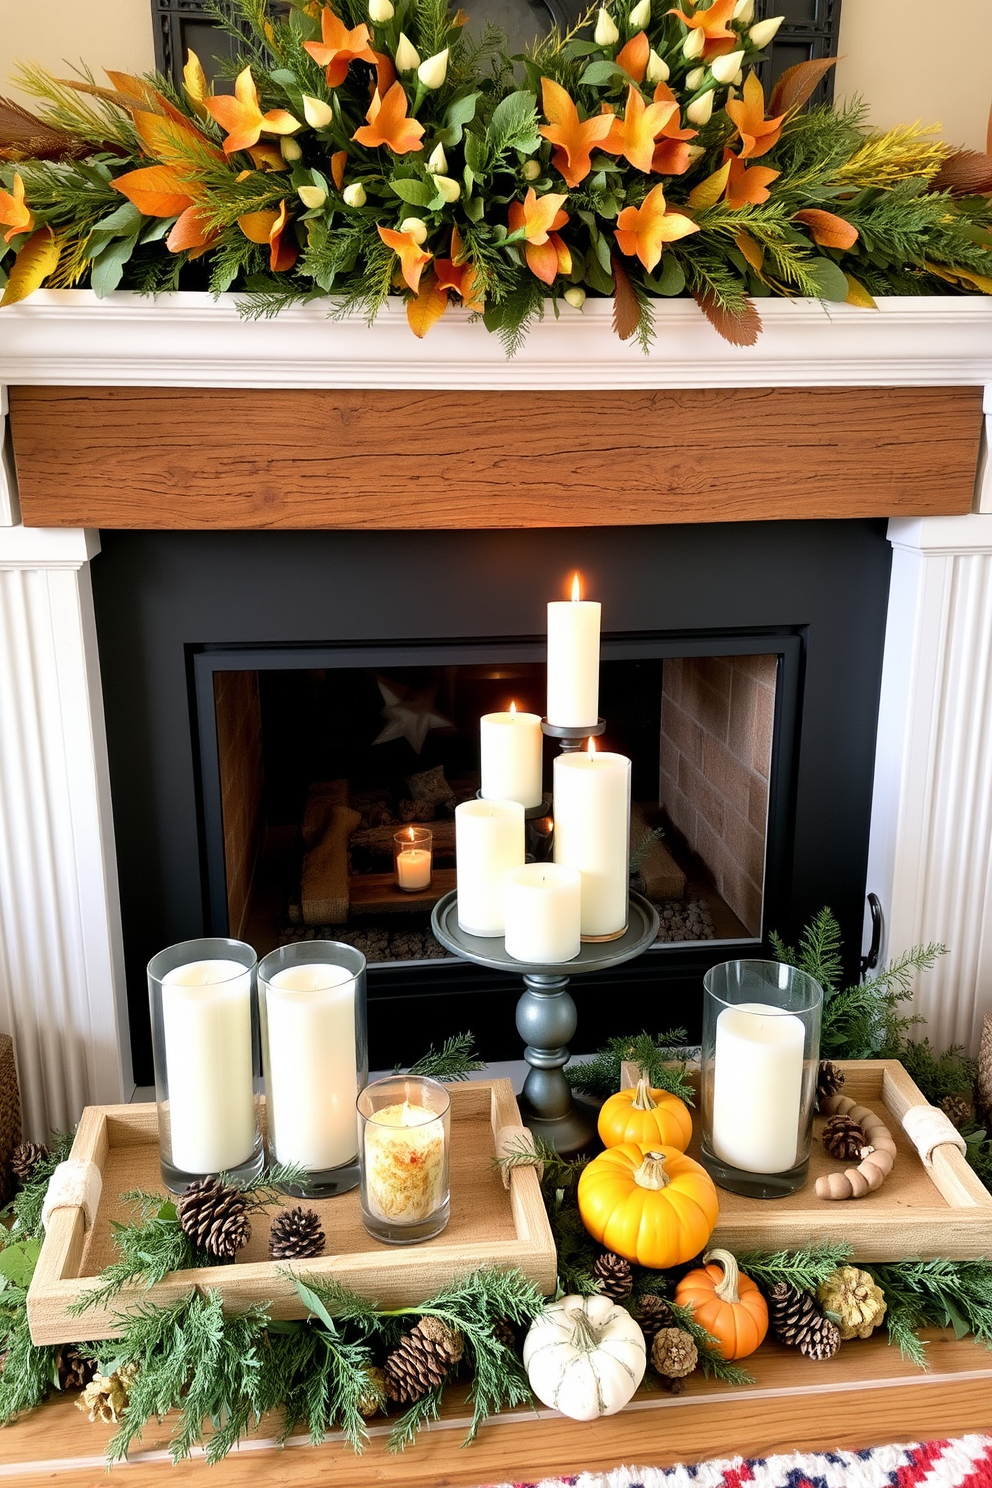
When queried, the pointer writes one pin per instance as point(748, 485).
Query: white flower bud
point(725, 68)
point(606, 33)
point(640, 15)
point(575, 295)
point(407, 57)
point(312, 196)
point(744, 12)
point(738, 77)
point(700, 109)
point(447, 187)
point(354, 195)
point(289, 150)
point(317, 113)
point(437, 162)
point(658, 70)
point(433, 72)
point(694, 45)
point(416, 227)
point(765, 31)
point(694, 79)
point(530, 170)
point(380, 11)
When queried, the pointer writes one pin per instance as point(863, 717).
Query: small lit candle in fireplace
point(592, 834)
point(413, 850)
point(573, 660)
point(512, 757)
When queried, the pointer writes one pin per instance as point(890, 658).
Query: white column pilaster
point(931, 840)
point(62, 990)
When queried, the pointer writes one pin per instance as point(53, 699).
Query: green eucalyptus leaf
point(417, 193)
point(671, 279)
point(474, 208)
point(475, 153)
point(601, 72)
point(831, 282)
point(596, 278)
point(602, 248)
point(108, 266)
point(514, 124)
point(156, 230)
point(460, 111)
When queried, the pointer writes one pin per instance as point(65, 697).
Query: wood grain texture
point(864, 1396)
point(247, 458)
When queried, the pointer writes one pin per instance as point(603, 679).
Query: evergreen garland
point(662, 1060)
point(455, 1060)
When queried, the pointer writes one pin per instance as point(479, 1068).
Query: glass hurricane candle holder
point(404, 1139)
point(311, 999)
point(413, 850)
point(761, 1050)
point(205, 1045)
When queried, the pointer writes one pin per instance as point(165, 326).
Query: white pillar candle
point(206, 1016)
point(404, 1163)
point(757, 1087)
point(413, 868)
point(573, 661)
point(592, 834)
point(311, 1076)
point(512, 747)
point(489, 841)
point(543, 913)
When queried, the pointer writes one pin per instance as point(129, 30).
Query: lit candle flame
point(592, 749)
point(412, 836)
point(513, 710)
point(576, 591)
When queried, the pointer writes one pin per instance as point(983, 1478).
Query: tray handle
point(518, 1142)
point(929, 1128)
point(76, 1183)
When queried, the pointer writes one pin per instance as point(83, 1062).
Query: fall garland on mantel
point(375, 147)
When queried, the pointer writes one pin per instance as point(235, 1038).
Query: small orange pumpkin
point(651, 1118)
point(654, 1206)
point(726, 1303)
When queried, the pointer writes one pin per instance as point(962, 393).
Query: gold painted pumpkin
point(726, 1303)
point(652, 1205)
point(651, 1118)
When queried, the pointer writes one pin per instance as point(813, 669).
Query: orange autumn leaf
point(156, 190)
point(338, 162)
point(409, 252)
point(242, 117)
point(673, 129)
point(747, 186)
point(339, 47)
point(457, 273)
point(752, 251)
point(191, 231)
point(708, 192)
point(283, 252)
point(634, 135)
point(15, 215)
point(257, 226)
point(633, 57)
point(267, 157)
point(170, 140)
point(37, 259)
point(385, 73)
point(573, 138)
point(389, 125)
point(427, 306)
point(539, 217)
point(713, 24)
point(827, 229)
point(671, 158)
point(757, 133)
point(642, 231)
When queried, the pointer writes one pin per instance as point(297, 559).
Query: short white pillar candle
point(592, 834)
point(757, 1087)
point(573, 661)
point(489, 841)
point(512, 749)
point(311, 1068)
point(543, 904)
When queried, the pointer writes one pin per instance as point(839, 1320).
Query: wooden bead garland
point(877, 1159)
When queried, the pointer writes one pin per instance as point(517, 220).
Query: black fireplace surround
point(813, 592)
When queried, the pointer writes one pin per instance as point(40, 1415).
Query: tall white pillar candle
point(592, 834)
point(206, 1015)
point(573, 661)
point(311, 1076)
point(489, 841)
point(512, 757)
point(543, 913)
point(757, 1087)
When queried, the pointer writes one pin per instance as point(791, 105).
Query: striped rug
point(965, 1462)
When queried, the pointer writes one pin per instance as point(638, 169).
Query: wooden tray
point(488, 1226)
point(944, 1210)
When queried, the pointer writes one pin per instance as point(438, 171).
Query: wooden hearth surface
point(865, 1396)
point(249, 458)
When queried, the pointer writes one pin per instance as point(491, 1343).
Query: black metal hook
point(869, 962)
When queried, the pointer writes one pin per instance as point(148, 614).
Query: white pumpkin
point(585, 1356)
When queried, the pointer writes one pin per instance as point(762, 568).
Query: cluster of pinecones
point(421, 1360)
point(214, 1216)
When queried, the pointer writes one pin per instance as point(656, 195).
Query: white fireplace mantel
point(61, 984)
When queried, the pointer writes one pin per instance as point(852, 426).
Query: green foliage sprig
point(455, 1060)
point(660, 1059)
point(935, 1294)
point(804, 1268)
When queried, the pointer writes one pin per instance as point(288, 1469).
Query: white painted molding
point(62, 992)
point(931, 837)
point(69, 337)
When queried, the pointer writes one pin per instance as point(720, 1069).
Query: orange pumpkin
point(726, 1303)
point(651, 1118)
point(654, 1206)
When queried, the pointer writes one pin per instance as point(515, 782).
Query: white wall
point(60, 33)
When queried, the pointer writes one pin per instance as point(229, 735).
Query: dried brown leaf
point(965, 173)
point(626, 309)
point(23, 136)
point(797, 85)
point(739, 327)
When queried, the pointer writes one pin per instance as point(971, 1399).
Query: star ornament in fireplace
point(409, 714)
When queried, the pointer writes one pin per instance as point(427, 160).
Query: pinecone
point(957, 1108)
point(797, 1322)
point(673, 1353)
point(829, 1079)
point(214, 1216)
point(106, 1395)
point(413, 1368)
point(371, 1402)
point(447, 1342)
point(853, 1299)
point(843, 1138)
point(75, 1370)
point(653, 1312)
point(506, 1333)
point(296, 1235)
point(614, 1275)
point(25, 1158)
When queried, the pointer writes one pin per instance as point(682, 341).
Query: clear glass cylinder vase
point(205, 1044)
point(404, 1146)
point(760, 1054)
point(315, 1056)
